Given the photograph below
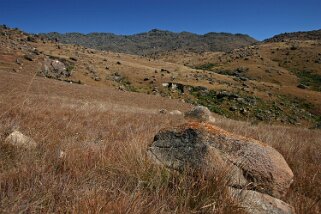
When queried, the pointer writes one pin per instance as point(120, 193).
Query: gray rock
point(175, 112)
point(29, 57)
point(244, 79)
point(225, 94)
point(54, 68)
point(233, 108)
point(254, 165)
point(163, 111)
point(198, 113)
point(96, 78)
point(18, 61)
point(58, 66)
point(258, 203)
point(18, 139)
point(302, 86)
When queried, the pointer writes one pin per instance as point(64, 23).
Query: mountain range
point(155, 41)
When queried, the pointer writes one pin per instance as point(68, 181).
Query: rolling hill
point(276, 82)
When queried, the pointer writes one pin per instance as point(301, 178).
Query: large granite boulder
point(246, 164)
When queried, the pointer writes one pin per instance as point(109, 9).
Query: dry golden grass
point(105, 134)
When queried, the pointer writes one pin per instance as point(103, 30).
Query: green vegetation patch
point(284, 109)
point(310, 79)
point(207, 66)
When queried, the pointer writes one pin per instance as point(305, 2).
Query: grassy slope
point(273, 70)
point(105, 134)
point(274, 85)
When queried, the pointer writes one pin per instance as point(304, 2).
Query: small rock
point(18, 61)
point(31, 39)
point(163, 111)
point(97, 78)
point(223, 94)
point(233, 108)
point(62, 154)
point(122, 88)
point(175, 112)
point(18, 139)
point(302, 86)
point(244, 79)
point(29, 57)
point(243, 110)
point(254, 202)
point(74, 58)
point(198, 113)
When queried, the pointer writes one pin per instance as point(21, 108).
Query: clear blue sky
point(258, 18)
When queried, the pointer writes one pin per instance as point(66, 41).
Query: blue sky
point(260, 18)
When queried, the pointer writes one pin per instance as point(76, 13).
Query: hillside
point(302, 35)
point(104, 134)
point(252, 83)
point(155, 41)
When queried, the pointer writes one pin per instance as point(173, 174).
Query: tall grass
point(106, 169)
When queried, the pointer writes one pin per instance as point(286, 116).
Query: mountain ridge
point(155, 41)
point(299, 35)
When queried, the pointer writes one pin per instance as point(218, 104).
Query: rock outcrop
point(247, 164)
point(57, 69)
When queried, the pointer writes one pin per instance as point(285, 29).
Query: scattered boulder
point(302, 86)
point(226, 94)
point(243, 78)
point(242, 69)
point(73, 58)
point(18, 139)
point(117, 77)
point(254, 202)
point(163, 111)
point(174, 86)
point(248, 163)
point(18, 61)
point(96, 78)
point(122, 88)
point(198, 113)
point(29, 57)
point(58, 66)
point(31, 39)
point(233, 108)
point(54, 68)
point(62, 154)
point(175, 112)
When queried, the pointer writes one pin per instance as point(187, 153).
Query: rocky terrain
point(90, 131)
point(268, 82)
point(155, 41)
